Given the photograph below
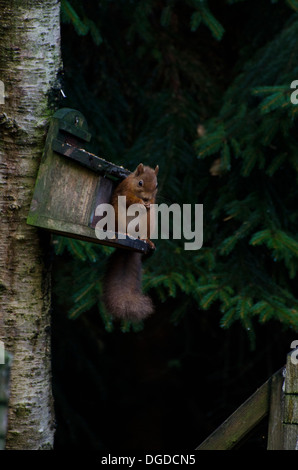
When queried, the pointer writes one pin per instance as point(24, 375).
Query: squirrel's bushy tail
point(123, 287)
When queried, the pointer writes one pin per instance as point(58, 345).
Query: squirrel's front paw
point(150, 243)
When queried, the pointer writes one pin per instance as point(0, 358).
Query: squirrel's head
point(145, 182)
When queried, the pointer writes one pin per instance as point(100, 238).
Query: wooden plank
point(81, 232)
point(291, 404)
point(291, 382)
point(242, 421)
point(275, 426)
point(291, 409)
point(290, 437)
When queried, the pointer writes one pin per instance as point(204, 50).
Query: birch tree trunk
point(29, 62)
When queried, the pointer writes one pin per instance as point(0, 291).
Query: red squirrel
point(123, 295)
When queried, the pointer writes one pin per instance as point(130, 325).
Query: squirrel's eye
point(141, 183)
point(156, 185)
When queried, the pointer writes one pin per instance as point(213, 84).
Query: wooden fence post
point(275, 440)
point(4, 395)
point(290, 413)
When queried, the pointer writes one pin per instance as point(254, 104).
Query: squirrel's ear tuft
point(156, 170)
point(139, 170)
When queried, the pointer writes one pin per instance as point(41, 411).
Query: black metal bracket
point(89, 160)
point(71, 135)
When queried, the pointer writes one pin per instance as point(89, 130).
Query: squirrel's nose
point(145, 199)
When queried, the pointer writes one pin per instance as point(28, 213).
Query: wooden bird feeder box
point(71, 182)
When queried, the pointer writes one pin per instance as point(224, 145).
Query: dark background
point(164, 388)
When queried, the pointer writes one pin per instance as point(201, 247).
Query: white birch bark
point(29, 62)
